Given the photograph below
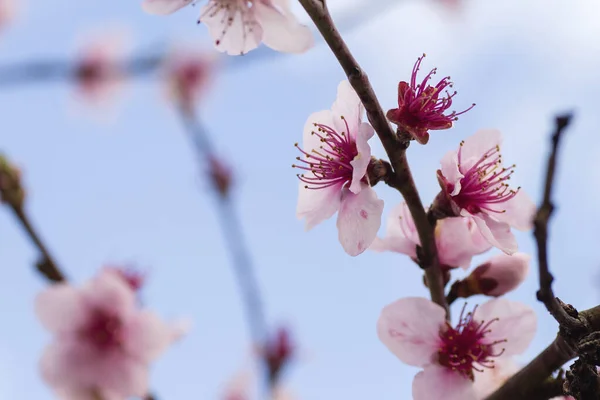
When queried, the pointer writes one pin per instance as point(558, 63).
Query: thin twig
point(46, 265)
point(393, 145)
point(545, 294)
point(233, 237)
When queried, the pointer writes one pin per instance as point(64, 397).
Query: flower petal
point(359, 219)
point(436, 382)
point(363, 158)
point(490, 379)
point(455, 243)
point(507, 272)
point(310, 138)
point(450, 171)
point(164, 7)
point(147, 336)
point(317, 205)
point(60, 308)
point(282, 32)
point(518, 212)
point(410, 329)
point(475, 146)
point(228, 26)
point(516, 324)
point(497, 233)
point(401, 234)
point(347, 105)
point(110, 292)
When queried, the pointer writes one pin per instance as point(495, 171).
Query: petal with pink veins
point(436, 382)
point(516, 324)
point(317, 205)
point(475, 146)
point(363, 158)
point(282, 32)
point(164, 7)
point(359, 219)
point(410, 329)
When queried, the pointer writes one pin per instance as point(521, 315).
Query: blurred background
point(122, 185)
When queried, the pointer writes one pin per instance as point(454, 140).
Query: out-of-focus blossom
point(104, 343)
point(8, 10)
point(134, 278)
point(457, 239)
point(238, 26)
point(188, 73)
point(452, 358)
point(421, 107)
point(220, 175)
point(497, 276)
point(493, 378)
point(99, 72)
point(239, 388)
point(474, 184)
point(277, 353)
point(335, 158)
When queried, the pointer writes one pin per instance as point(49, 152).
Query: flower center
point(328, 165)
point(103, 330)
point(464, 349)
point(422, 106)
point(484, 184)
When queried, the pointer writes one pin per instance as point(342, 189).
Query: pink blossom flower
point(239, 26)
point(188, 74)
point(457, 239)
point(104, 343)
point(336, 156)
point(421, 107)
point(473, 182)
point(500, 274)
point(415, 330)
point(488, 382)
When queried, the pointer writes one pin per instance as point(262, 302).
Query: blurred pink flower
point(188, 74)
point(500, 274)
point(134, 278)
point(336, 156)
point(421, 107)
point(99, 71)
point(8, 10)
point(104, 343)
point(238, 26)
point(415, 330)
point(458, 239)
point(473, 182)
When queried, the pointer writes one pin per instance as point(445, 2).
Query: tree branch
point(545, 294)
point(394, 146)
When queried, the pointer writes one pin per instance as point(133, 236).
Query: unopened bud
point(11, 190)
point(378, 170)
point(220, 175)
point(277, 353)
point(497, 276)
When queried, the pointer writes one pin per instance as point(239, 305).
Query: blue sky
point(128, 189)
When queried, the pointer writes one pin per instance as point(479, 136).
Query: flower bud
point(11, 191)
point(499, 275)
